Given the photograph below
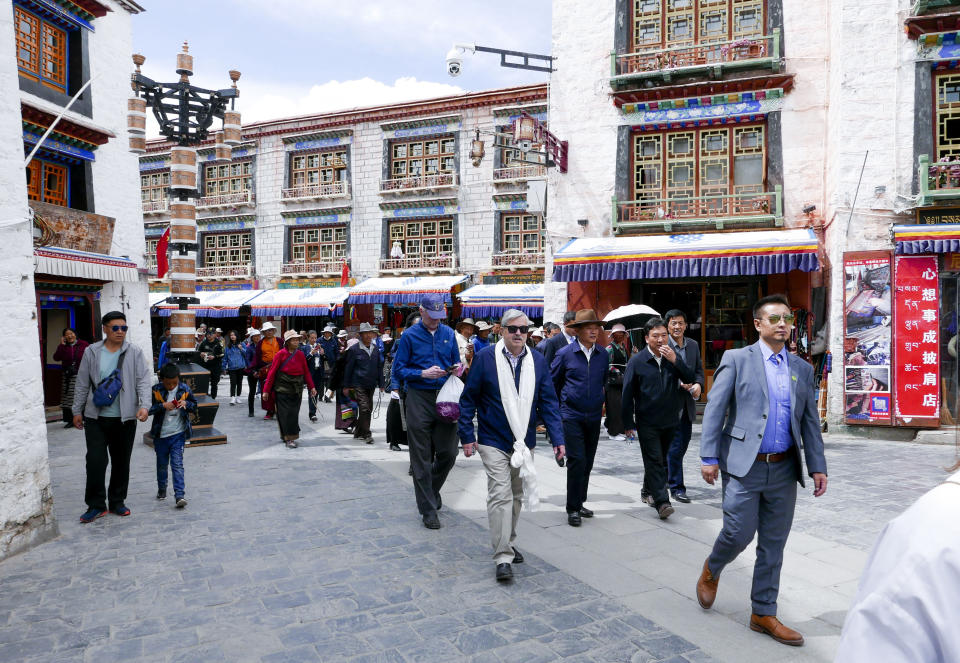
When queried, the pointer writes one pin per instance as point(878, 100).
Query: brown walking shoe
point(770, 625)
point(706, 588)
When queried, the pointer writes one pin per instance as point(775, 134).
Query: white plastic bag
point(448, 400)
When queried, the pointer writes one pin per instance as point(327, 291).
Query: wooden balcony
point(517, 259)
point(70, 228)
point(929, 6)
point(938, 180)
point(155, 206)
point(714, 58)
point(227, 200)
point(655, 215)
point(323, 268)
point(426, 265)
point(420, 183)
point(512, 174)
point(225, 272)
point(316, 192)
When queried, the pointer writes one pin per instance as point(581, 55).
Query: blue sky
point(308, 56)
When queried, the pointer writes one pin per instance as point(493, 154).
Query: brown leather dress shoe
point(771, 626)
point(706, 588)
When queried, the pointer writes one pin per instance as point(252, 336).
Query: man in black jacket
point(651, 408)
point(313, 351)
point(362, 375)
point(211, 357)
point(689, 353)
point(551, 346)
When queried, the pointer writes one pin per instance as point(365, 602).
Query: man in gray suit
point(688, 351)
point(760, 412)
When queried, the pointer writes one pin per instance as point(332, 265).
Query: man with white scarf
point(508, 387)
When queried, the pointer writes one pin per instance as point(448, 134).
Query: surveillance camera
point(454, 62)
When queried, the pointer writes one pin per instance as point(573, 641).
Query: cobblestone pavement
point(870, 482)
point(293, 555)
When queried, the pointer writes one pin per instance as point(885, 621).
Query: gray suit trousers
point(761, 503)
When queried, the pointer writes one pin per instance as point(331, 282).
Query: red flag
point(345, 275)
point(162, 265)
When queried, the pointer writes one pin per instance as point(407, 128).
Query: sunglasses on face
point(513, 329)
point(117, 328)
point(788, 318)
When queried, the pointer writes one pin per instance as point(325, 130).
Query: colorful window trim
point(153, 187)
point(947, 109)
point(227, 178)
point(659, 24)
point(316, 168)
point(522, 233)
point(422, 157)
point(310, 245)
point(41, 49)
point(423, 238)
point(227, 249)
point(48, 182)
point(712, 161)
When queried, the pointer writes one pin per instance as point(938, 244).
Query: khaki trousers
point(504, 495)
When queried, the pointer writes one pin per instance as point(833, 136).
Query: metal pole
point(56, 121)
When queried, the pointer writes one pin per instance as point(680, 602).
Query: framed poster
point(867, 320)
point(917, 340)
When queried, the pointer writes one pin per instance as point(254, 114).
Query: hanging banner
point(867, 338)
point(917, 348)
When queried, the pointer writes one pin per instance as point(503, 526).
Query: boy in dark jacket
point(173, 403)
point(362, 375)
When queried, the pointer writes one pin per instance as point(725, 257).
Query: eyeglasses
point(117, 328)
point(788, 318)
point(513, 329)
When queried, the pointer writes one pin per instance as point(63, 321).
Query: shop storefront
point(713, 278)
point(387, 301)
point(226, 309)
point(490, 301)
point(301, 309)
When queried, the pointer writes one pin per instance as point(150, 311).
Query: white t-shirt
point(172, 419)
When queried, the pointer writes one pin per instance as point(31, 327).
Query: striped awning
point(300, 302)
point(406, 291)
point(686, 256)
point(927, 238)
point(214, 303)
point(83, 265)
point(495, 299)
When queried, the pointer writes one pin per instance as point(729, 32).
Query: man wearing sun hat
point(427, 353)
point(579, 371)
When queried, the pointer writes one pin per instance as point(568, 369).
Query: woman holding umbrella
point(619, 352)
point(284, 384)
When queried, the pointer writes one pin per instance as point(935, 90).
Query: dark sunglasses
point(117, 328)
point(513, 329)
point(775, 318)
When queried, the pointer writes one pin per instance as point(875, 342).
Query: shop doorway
point(949, 351)
point(57, 312)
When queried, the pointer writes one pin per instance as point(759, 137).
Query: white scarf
point(517, 406)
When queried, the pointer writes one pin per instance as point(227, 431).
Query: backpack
point(106, 391)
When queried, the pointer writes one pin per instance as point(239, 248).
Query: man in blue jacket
point(560, 339)
point(427, 354)
point(508, 387)
point(579, 371)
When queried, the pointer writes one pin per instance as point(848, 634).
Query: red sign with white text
point(917, 342)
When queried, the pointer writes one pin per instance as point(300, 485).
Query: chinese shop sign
point(867, 338)
point(917, 338)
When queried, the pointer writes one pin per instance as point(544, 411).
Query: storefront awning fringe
point(927, 238)
point(304, 302)
point(213, 303)
point(686, 256)
point(57, 261)
point(495, 299)
point(405, 291)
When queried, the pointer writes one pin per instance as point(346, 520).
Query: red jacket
point(70, 355)
point(296, 366)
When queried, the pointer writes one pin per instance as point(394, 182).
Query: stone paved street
point(318, 554)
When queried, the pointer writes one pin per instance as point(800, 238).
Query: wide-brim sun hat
point(342, 334)
point(267, 326)
point(367, 327)
point(618, 328)
point(483, 325)
point(585, 316)
point(466, 321)
point(253, 332)
point(290, 333)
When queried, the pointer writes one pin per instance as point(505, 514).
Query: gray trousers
point(433, 448)
point(761, 503)
point(504, 499)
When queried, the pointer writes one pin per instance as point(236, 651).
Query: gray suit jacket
point(692, 358)
point(737, 409)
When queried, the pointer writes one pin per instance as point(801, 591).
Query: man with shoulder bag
point(112, 394)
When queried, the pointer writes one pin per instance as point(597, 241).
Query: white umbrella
point(628, 311)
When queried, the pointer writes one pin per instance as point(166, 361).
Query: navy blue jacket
point(651, 396)
point(551, 346)
point(363, 371)
point(157, 410)
point(418, 350)
point(331, 349)
point(579, 384)
point(314, 362)
point(481, 395)
point(250, 356)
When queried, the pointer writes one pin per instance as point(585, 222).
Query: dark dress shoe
point(431, 521)
point(573, 519)
point(395, 447)
point(706, 587)
point(517, 556)
point(504, 572)
point(680, 496)
point(664, 511)
point(766, 624)
point(585, 512)
point(410, 470)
